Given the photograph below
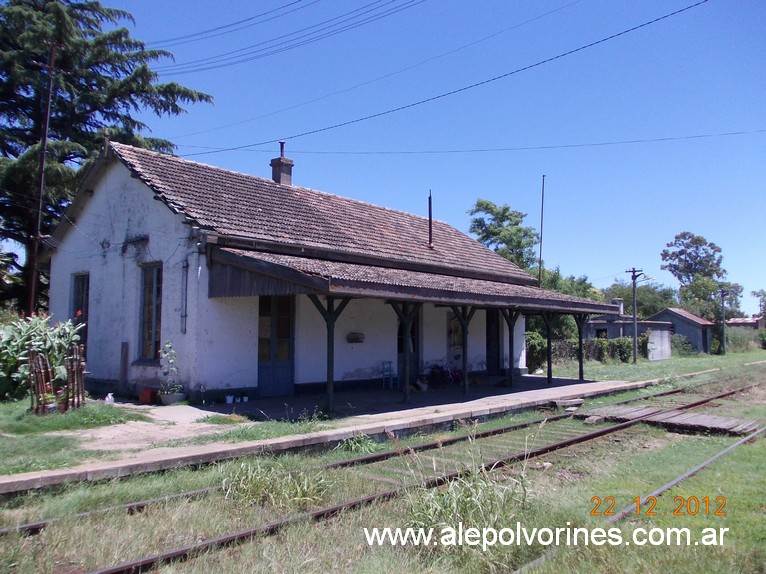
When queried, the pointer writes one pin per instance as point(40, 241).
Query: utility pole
point(635, 274)
point(723, 293)
point(540, 258)
point(41, 187)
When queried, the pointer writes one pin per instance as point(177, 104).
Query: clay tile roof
point(686, 315)
point(244, 206)
point(350, 279)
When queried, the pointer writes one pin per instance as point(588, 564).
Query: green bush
point(537, 350)
point(473, 500)
point(741, 339)
point(621, 348)
point(643, 344)
point(762, 338)
point(564, 350)
point(34, 333)
point(680, 346)
point(606, 350)
point(257, 484)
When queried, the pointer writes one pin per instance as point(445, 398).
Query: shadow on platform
point(355, 402)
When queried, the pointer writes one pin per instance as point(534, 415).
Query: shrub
point(762, 338)
point(564, 350)
point(681, 347)
point(621, 348)
point(605, 350)
point(359, 444)
point(536, 350)
point(473, 500)
point(253, 483)
point(741, 338)
point(643, 343)
point(34, 333)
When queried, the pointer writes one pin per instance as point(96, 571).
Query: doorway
point(276, 345)
point(494, 357)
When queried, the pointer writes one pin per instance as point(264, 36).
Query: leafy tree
point(580, 286)
point(689, 256)
point(501, 228)
point(8, 273)
point(651, 298)
point(563, 326)
point(703, 298)
point(761, 296)
point(98, 79)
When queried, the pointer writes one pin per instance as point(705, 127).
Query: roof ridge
point(272, 182)
point(251, 208)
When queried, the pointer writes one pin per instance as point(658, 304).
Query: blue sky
point(687, 92)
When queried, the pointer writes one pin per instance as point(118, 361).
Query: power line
point(498, 149)
point(459, 90)
point(343, 23)
point(385, 76)
point(229, 28)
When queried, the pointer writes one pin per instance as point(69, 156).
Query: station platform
point(374, 413)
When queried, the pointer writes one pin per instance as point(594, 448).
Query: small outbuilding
point(618, 324)
point(754, 322)
point(697, 330)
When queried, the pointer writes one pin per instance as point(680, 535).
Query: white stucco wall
point(372, 317)
point(105, 243)
point(227, 339)
point(435, 341)
point(122, 227)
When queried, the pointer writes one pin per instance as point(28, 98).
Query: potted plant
point(171, 391)
point(62, 398)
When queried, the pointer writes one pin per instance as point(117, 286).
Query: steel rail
point(36, 527)
point(187, 552)
point(630, 510)
point(676, 481)
point(33, 528)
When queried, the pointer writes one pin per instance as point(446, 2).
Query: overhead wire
point(501, 149)
point(230, 28)
point(458, 90)
point(385, 76)
point(273, 46)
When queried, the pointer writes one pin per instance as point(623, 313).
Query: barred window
point(151, 311)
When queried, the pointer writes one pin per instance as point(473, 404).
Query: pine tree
point(97, 78)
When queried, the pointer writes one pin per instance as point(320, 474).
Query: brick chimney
point(620, 303)
point(282, 168)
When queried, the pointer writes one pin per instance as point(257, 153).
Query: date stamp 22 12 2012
point(682, 506)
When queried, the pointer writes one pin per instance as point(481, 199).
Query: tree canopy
point(98, 78)
point(761, 296)
point(703, 298)
point(501, 228)
point(651, 298)
point(698, 266)
point(689, 256)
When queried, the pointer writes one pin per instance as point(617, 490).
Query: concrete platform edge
point(159, 459)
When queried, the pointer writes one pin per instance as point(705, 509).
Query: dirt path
point(168, 423)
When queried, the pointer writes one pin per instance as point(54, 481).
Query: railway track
point(390, 473)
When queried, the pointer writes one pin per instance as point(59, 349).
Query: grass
point(252, 432)
point(561, 491)
point(731, 477)
point(25, 447)
point(232, 419)
point(537, 495)
point(15, 418)
point(29, 453)
point(645, 370)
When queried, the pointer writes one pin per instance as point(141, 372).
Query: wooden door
point(276, 345)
